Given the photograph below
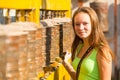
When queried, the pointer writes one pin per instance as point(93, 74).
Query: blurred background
point(35, 33)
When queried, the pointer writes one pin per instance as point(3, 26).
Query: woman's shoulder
point(104, 54)
point(104, 60)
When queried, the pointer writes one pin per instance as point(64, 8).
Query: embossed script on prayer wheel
point(12, 55)
point(31, 55)
point(39, 56)
point(101, 9)
point(22, 61)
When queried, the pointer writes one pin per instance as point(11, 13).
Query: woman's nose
point(81, 26)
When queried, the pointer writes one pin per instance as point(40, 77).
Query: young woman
point(91, 54)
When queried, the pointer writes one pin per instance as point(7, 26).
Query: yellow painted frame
point(19, 4)
point(32, 5)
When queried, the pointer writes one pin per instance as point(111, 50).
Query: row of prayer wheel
point(25, 49)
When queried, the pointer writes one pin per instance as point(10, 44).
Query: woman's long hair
point(97, 38)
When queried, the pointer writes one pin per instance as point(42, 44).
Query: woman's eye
point(77, 24)
point(85, 23)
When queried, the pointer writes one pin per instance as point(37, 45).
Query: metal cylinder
point(12, 55)
point(2, 55)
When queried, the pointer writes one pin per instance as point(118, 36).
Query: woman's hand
point(67, 56)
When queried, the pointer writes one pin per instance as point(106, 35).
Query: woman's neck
point(86, 43)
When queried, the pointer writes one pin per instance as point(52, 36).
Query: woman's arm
point(105, 65)
point(68, 66)
point(69, 69)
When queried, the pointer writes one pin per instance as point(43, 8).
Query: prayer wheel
point(2, 55)
point(12, 55)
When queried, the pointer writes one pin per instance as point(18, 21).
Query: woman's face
point(82, 25)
